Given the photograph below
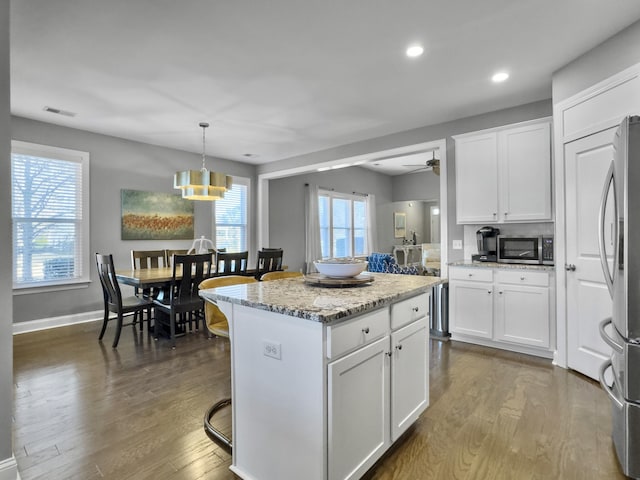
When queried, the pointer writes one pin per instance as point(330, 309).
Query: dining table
point(158, 278)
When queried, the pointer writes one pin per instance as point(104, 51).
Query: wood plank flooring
point(86, 411)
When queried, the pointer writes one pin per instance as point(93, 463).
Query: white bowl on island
point(341, 267)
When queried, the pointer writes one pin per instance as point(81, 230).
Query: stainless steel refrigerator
point(621, 266)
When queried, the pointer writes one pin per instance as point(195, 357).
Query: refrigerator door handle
point(607, 388)
point(609, 181)
point(608, 339)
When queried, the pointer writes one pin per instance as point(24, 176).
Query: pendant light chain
point(204, 126)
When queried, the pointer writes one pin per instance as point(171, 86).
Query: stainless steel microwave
point(527, 249)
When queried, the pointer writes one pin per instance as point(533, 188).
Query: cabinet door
point(477, 178)
point(522, 315)
point(471, 308)
point(525, 173)
point(409, 375)
point(358, 410)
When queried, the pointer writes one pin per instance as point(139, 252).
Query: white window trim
point(347, 196)
point(247, 183)
point(37, 150)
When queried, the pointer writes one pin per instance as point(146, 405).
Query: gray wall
point(610, 57)
point(416, 186)
point(410, 137)
point(6, 340)
point(115, 164)
point(286, 206)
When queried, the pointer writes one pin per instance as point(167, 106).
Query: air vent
point(57, 111)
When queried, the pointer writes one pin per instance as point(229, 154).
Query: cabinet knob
point(500, 293)
point(398, 347)
point(365, 330)
point(489, 292)
point(522, 278)
point(505, 214)
point(471, 274)
point(495, 214)
point(388, 354)
point(416, 309)
point(570, 267)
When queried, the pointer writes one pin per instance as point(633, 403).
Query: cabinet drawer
point(523, 277)
point(471, 274)
point(348, 335)
point(406, 311)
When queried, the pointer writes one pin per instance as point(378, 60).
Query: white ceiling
point(281, 78)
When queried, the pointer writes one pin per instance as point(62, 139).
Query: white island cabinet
point(324, 380)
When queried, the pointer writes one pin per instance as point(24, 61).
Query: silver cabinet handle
point(570, 267)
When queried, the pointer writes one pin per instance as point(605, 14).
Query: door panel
point(588, 301)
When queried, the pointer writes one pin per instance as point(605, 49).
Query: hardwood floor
point(86, 411)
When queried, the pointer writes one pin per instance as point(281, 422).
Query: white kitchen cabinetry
point(502, 308)
point(378, 390)
point(522, 308)
point(504, 175)
point(471, 301)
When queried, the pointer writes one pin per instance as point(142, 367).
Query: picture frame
point(400, 224)
point(155, 216)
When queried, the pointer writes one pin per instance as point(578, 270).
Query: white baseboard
point(9, 469)
point(54, 322)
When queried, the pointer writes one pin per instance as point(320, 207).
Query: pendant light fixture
point(202, 184)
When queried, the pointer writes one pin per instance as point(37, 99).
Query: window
point(231, 217)
point(50, 215)
point(343, 224)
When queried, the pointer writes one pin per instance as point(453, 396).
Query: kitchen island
point(324, 380)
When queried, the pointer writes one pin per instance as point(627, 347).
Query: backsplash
point(470, 244)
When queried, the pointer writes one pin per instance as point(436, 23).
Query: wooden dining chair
point(183, 303)
point(170, 253)
point(218, 326)
point(143, 259)
point(268, 261)
point(231, 263)
point(279, 275)
point(113, 301)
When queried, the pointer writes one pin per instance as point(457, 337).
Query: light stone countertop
point(292, 296)
point(506, 266)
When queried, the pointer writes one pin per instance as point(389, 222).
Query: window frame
point(351, 197)
point(246, 182)
point(64, 154)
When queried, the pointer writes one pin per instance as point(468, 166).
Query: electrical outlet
point(457, 244)
point(271, 349)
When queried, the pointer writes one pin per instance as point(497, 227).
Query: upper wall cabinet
point(504, 174)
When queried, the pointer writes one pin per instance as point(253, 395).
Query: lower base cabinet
point(376, 392)
point(510, 308)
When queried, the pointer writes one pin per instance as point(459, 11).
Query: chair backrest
point(193, 269)
point(269, 249)
point(108, 280)
point(268, 261)
point(280, 274)
point(216, 320)
point(231, 263)
point(141, 259)
point(170, 253)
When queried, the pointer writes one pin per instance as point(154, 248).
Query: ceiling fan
point(433, 164)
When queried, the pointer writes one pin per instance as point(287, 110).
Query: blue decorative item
point(386, 263)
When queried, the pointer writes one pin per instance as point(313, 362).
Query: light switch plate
point(457, 244)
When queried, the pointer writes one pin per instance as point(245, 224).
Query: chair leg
point(118, 330)
point(172, 328)
point(104, 323)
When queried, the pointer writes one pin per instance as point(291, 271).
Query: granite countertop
point(292, 296)
point(506, 266)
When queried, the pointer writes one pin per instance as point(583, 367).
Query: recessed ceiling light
point(500, 77)
point(414, 51)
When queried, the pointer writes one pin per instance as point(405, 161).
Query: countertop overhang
point(292, 296)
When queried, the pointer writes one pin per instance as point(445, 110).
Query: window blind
point(48, 219)
point(231, 219)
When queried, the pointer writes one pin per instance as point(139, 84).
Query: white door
point(358, 410)
point(409, 375)
point(588, 301)
point(471, 308)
